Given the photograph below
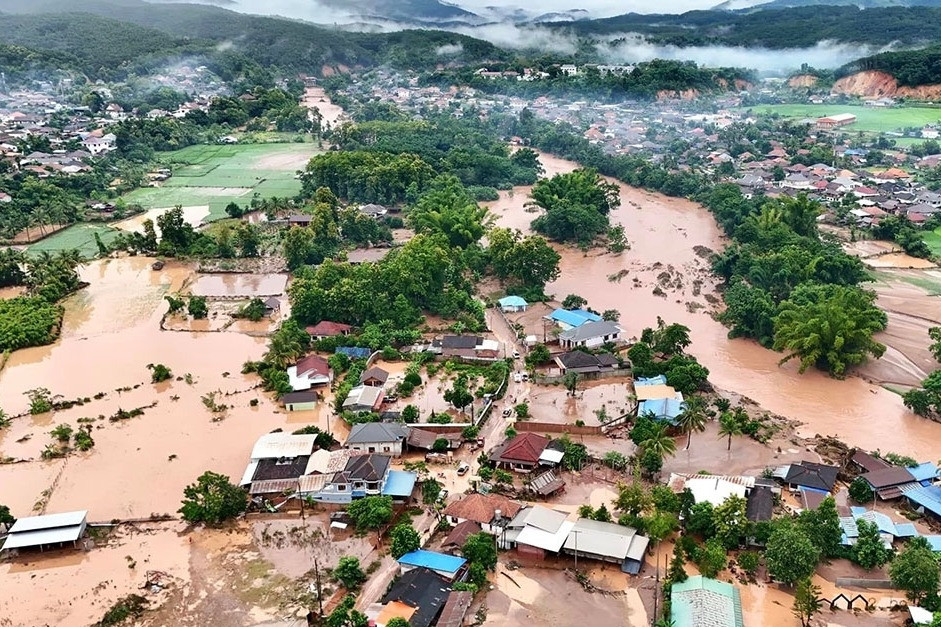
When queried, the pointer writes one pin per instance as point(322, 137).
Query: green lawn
point(933, 239)
point(216, 175)
point(868, 118)
point(80, 236)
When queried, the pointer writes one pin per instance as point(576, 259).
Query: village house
point(426, 440)
point(310, 371)
point(364, 398)
point(835, 121)
point(277, 461)
point(374, 377)
point(512, 304)
point(586, 364)
point(467, 346)
point(567, 319)
point(325, 329)
point(806, 475)
point(590, 335)
point(607, 542)
point(449, 567)
point(703, 602)
point(373, 211)
point(418, 596)
point(524, 453)
point(304, 400)
point(657, 399)
point(377, 437)
point(47, 531)
point(366, 475)
point(888, 529)
point(488, 512)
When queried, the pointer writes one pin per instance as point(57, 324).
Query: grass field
point(870, 119)
point(933, 239)
point(217, 175)
point(79, 236)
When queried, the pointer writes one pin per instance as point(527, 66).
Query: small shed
point(374, 377)
point(49, 531)
point(304, 400)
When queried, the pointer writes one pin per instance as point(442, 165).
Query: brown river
point(664, 234)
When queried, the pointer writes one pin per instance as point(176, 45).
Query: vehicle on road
point(517, 377)
point(462, 469)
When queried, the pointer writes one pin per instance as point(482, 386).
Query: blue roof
point(928, 497)
point(905, 530)
point(934, 542)
point(512, 301)
point(884, 523)
point(574, 317)
point(924, 472)
point(660, 379)
point(433, 560)
point(399, 483)
point(662, 408)
point(354, 352)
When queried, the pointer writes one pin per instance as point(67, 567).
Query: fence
point(551, 427)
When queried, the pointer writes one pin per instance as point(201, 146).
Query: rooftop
point(481, 508)
point(399, 484)
point(589, 330)
point(370, 432)
point(812, 475)
point(433, 560)
point(525, 448)
point(513, 301)
point(277, 445)
point(48, 529)
point(367, 467)
point(703, 602)
point(573, 317)
point(422, 589)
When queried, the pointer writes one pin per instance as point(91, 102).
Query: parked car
point(462, 469)
point(442, 496)
point(516, 354)
point(517, 377)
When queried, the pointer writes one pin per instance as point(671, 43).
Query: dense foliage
point(576, 205)
point(212, 500)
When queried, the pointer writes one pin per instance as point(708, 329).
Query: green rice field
point(933, 239)
point(869, 119)
point(77, 236)
point(216, 175)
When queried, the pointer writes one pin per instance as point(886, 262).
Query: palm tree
point(693, 417)
point(730, 424)
point(660, 442)
point(283, 350)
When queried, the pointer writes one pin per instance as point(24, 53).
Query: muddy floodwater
point(671, 240)
point(239, 285)
point(139, 465)
point(329, 112)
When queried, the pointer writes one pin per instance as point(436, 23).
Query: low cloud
point(632, 48)
point(448, 50)
point(522, 37)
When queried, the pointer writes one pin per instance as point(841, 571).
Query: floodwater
point(11, 292)
point(330, 113)
point(193, 215)
point(670, 241)
point(554, 404)
point(239, 285)
point(140, 465)
point(898, 260)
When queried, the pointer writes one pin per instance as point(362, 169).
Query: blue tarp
point(399, 483)
point(574, 317)
point(435, 561)
point(354, 352)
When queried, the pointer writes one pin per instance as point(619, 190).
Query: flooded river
point(670, 241)
point(330, 113)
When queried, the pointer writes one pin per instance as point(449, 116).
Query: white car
point(462, 469)
point(516, 354)
point(518, 377)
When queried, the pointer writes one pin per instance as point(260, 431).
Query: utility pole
point(319, 586)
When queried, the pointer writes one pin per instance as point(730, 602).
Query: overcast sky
point(598, 8)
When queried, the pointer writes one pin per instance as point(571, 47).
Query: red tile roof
point(326, 328)
point(481, 508)
point(313, 363)
point(526, 448)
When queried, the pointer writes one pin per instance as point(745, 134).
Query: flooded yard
point(670, 242)
point(239, 285)
point(554, 403)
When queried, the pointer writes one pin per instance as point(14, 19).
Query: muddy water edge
point(666, 273)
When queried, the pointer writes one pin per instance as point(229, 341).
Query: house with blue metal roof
point(889, 530)
point(925, 473)
point(925, 499)
point(512, 304)
point(354, 352)
point(703, 602)
point(663, 407)
point(451, 567)
point(399, 484)
point(572, 318)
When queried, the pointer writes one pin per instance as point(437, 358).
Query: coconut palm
point(693, 417)
point(659, 442)
point(731, 424)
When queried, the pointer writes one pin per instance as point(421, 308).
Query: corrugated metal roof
point(277, 445)
point(43, 536)
point(533, 536)
point(49, 521)
point(433, 560)
point(703, 602)
point(399, 483)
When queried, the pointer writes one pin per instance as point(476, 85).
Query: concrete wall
point(549, 427)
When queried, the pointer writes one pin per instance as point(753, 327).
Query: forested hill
point(775, 28)
point(108, 33)
point(911, 68)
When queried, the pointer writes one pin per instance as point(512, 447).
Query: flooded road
point(239, 285)
point(670, 242)
point(138, 465)
point(330, 113)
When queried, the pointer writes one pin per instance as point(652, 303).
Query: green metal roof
point(703, 602)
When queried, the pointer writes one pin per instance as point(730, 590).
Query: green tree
point(829, 327)
point(659, 442)
point(822, 526)
point(458, 394)
point(345, 616)
point(807, 601)
point(480, 548)
point(159, 372)
point(702, 520)
point(404, 540)
point(397, 621)
point(430, 491)
point(349, 573)
point(371, 512)
point(712, 558)
point(790, 555)
point(410, 414)
point(601, 514)
point(212, 500)
point(538, 355)
point(870, 551)
point(197, 307)
point(860, 491)
point(632, 498)
point(915, 570)
point(574, 301)
point(6, 518)
point(677, 572)
point(731, 523)
point(693, 417)
point(934, 333)
point(749, 562)
point(729, 425)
